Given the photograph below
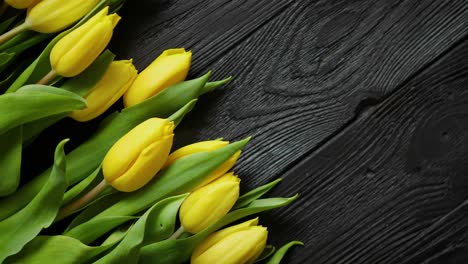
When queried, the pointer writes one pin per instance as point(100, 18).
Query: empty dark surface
point(360, 106)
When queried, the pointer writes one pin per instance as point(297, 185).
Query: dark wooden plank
point(302, 68)
point(383, 188)
point(392, 187)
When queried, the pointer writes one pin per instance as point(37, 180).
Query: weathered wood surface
point(361, 106)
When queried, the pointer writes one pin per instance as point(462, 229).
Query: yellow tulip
point(239, 244)
point(136, 157)
point(202, 146)
point(77, 50)
point(169, 68)
point(210, 203)
point(118, 77)
point(50, 16)
point(20, 4)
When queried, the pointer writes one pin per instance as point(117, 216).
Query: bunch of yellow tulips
point(124, 194)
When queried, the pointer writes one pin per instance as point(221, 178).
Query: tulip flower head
point(77, 50)
point(136, 157)
point(169, 68)
point(20, 4)
point(210, 203)
point(239, 244)
point(50, 16)
point(116, 80)
point(202, 146)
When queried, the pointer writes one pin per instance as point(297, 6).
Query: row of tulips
point(123, 195)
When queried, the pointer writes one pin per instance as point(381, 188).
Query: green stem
point(13, 32)
point(84, 200)
point(48, 78)
point(177, 233)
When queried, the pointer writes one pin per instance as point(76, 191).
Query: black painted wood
point(361, 107)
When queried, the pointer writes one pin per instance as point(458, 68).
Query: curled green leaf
point(58, 249)
point(181, 177)
point(279, 255)
point(158, 221)
point(11, 146)
point(86, 158)
point(180, 250)
point(254, 194)
point(266, 253)
point(35, 102)
point(26, 224)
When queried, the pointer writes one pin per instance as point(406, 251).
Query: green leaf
point(279, 255)
point(104, 223)
point(92, 209)
point(82, 83)
point(178, 116)
point(181, 177)
point(163, 219)
point(58, 249)
point(116, 5)
point(180, 250)
point(209, 86)
point(158, 221)
point(23, 226)
point(86, 158)
point(253, 195)
point(4, 25)
point(23, 41)
point(33, 102)
point(10, 161)
point(6, 58)
point(266, 253)
point(41, 66)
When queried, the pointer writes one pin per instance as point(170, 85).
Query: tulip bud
point(202, 146)
point(240, 244)
point(118, 77)
point(169, 68)
point(77, 50)
point(20, 4)
point(136, 157)
point(210, 203)
point(50, 16)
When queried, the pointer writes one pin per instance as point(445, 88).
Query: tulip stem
point(177, 233)
point(9, 34)
point(48, 78)
point(85, 199)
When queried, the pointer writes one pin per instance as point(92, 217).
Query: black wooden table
point(360, 106)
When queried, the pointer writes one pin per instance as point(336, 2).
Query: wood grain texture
point(391, 187)
point(302, 68)
point(359, 105)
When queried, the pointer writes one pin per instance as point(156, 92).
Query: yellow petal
point(117, 79)
point(139, 154)
point(50, 16)
point(72, 54)
point(169, 68)
point(218, 236)
point(237, 248)
point(147, 164)
point(20, 4)
point(210, 203)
